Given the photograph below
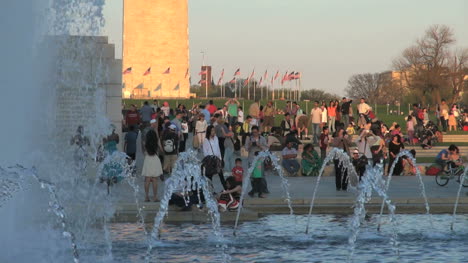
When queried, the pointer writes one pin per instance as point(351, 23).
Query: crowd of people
point(221, 134)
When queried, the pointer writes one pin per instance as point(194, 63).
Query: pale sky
point(327, 40)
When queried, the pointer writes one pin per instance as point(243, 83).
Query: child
point(410, 129)
point(350, 130)
point(452, 122)
point(238, 171)
point(256, 180)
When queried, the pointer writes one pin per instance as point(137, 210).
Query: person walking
point(212, 163)
point(394, 148)
point(200, 131)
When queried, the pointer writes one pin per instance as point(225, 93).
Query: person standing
point(146, 113)
point(324, 115)
point(132, 117)
point(240, 115)
point(166, 109)
point(228, 148)
point(155, 105)
point(345, 111)
point(152, 165)
point(256, 143)
point(232, 109)
point(200, 130)
point(444, 114)
point(206, 113)
point(177, 121)
point(170, 141)
point(211, 148)
point(211, 107)
point(341, 141)
point(130, 142)
point(222, 132)
point(363, 111)
point(394, 148)
point(316, 118)
point(254, 112)
point(324, 142)
point(331, 116)
point(269, 117)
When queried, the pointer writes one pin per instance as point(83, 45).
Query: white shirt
point(363, 108)
point(324, 115)
point(200, 126)
point(211, 147)
point(240, 116)
point(287, 151)
point(316, 114)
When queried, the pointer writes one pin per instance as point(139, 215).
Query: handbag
point(195, 142)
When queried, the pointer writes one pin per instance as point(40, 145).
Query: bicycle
point(444, 176)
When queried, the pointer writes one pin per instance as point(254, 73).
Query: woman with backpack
point(212, 163)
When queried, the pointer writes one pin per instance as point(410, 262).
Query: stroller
point(427, 135)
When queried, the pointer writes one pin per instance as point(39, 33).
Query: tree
point(458, 71)
point(317, 95)
point(425, 64)
point(364, 86)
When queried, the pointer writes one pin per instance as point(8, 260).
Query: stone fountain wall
point(88, 85)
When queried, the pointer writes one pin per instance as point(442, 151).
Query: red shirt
point(132, 118)
point(238, 173)
point(332, 111)
point(212, 109)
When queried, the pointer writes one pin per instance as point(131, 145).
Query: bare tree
point(425, 65)
point(458, 70)
point(364, 86)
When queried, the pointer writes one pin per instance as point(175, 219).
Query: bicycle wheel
point(442, 178)
point(465, 182)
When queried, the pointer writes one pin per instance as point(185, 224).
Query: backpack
point(169, 145)
point(433, 169)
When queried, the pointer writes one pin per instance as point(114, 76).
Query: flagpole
point(300, 86)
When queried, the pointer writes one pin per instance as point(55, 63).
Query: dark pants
point(182, 144)
point(340, 176)
point(444, 123)
point(257, 186)
point(221, 178)
point(221, 146)
point(323, 153)
point(398, 167)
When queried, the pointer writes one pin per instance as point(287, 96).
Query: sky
point(326, 40)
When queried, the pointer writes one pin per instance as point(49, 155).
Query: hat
point(172, 127)
point(356, 151)
point(152, 121)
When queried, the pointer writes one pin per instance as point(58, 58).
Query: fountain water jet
point(246, 180)
point(343, 158)
point(462, 180)
point(421, 185)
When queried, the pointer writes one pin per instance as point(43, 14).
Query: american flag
point(159, 87)
point(186, 73)
point(297, 75)
point(168, 70)
point(272, 79)
point(246, 81)
point(276, 75)
point(177, 87)
point(237, 73)
point(291, 75)
point(285, 77)
point(203, 72)
point(233, 80)
point(127, 71)
point(222, 73)
point(252, 74)
point(265, 75)
point(260, 82)
point(147, 72)
point(202, 81)
point(219, 80)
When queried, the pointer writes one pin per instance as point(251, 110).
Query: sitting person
point(408, 166)
point(454, 159)
point(185, 201)
point(229, 198)
point(311, 162)
point(291, 137)
point(290, 162)
point(274, 140)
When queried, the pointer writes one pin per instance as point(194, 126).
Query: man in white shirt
point(363, 109)
point(316, 118)
point(290, 162)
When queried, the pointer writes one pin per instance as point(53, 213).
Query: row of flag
point(148, 71)
point(286, 77)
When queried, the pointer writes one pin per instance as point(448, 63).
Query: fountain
point(462, 180)
point(344, 160)
point(246, 181)
point(421, 184)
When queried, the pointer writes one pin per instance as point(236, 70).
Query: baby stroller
point(428, 135)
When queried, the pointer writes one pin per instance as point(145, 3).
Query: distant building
point(206, 78)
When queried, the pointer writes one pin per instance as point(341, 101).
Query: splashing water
point(346, 163)
point(463, 177)
point(186, 178)
point(372, 180)
point(246, 180)
point(421, 185)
